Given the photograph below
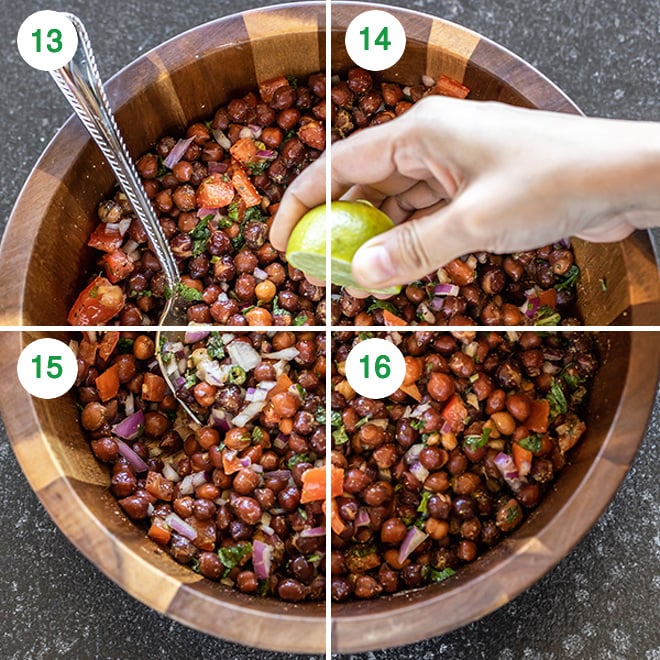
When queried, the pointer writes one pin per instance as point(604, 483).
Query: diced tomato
point(548, 298)
point(159, 486)
point(285, 425)
point(268, 87)
point(392, 319)
point(538, 417)
point(153, 387)
point(336, 523)
point(523, 459)
point(313, 135)
point(97, 303)
point(87, 350)
point(107, 384)
point(336, 482)
point(313, 485)
point(108, 344)
point(230, 464)
point(105, 238)
point(283, 384)
point(158, 532)
point(244, 186)
point(215, 192)
point(412, 390)
point(117, 265)
point(449, 87)
point(244, 150)
point(455, 413)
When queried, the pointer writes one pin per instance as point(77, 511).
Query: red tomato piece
point(106, 239)
point(117, 265)
point(98, 302)
point(215, 191)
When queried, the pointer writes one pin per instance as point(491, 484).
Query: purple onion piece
point(136, 462)
point(217, 168)
point(177, 152)
point(446, 289)
point(193, 336)
point(312, 532)
point(129, 428)
point(180, 526)
point(205, 210)
point(262, 555)
point(509, 472)
point(414, 538)
point(362, 518)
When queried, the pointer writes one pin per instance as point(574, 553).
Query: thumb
point(415, 248)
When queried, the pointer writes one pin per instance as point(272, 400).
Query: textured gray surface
point(599, 602)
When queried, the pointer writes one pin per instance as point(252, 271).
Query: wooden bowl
point(169, 87)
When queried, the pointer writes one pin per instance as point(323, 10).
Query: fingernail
point(373, 265)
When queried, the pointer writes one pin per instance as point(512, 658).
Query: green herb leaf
point(300, 320)
point(557, 399)
point(190, 379)
point(188, 293)
point(320, 415)
point(297, 458)
point(340, 436)
point(475, 442)
point(439, 576)
point(382, 304)
point(547, 316)
point(336, 419)
point(124, 345)
point(363, 421)
point(423, 505)
point(417, 424)
point(531, 443)
point(232, 555)
point(570, 278)
point(257, 435)
point(258, 166)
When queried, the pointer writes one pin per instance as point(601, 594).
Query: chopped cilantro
point(224, 223)
point(232, 555)
point(293, 81)
point(167, 292)
point(257, 167)
point(200, 235)
point(257, 435)
point(94, 292)
point(365, 335)
point(162, 168)
point(188, 293)
point(190, 379)
point(232, 211)
point(557, 399)
point(474, 442)
point(214, 347)
point(570, 278)
point(238, 240)
point(439, 576)
point(125, 345)
point(423, 505)
point(336, 419)
point(300, 320)
point(531, 443)
point(546, 316)
point(194, 564)
point(254, 214)
point(320, 415)
point(417, 424)
point(277, 310)
point(297, 458)
point(290, 134)
point(363, 421)
point(317, 556)
point(263, 587)
point(383, 304)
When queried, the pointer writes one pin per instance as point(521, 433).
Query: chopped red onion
point(177, 152)
point(137, 463)
point(129, 428)
point(217, 168)
point(219, 419)
point(245, 462)
point(427, 81)
point(412, 455)
point(565, 243)
point(312, 532)
point(446, 427)
point(421, 408)
point(256, 394)
point(267, 154)
point(124, 225)
point(278, 474)
point(257, 467)
point(419, 472)
point(204, 211)
point(242, 354)
point(509, 472)
point(180, 526)
point(210, 372)
point(221, 138)
point(246, 132)
point(362, 518)
point(248, 413)
point(193, 336)
point(170, 473)
point(260, 274)
point(280, 441)
point(129, 404)
point(437, 304)
point(446, 289)
point(533, 305)
point(262, 555)
point(285, 354)
point(414, 538)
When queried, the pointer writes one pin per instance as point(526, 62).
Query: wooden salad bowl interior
point(44, 258)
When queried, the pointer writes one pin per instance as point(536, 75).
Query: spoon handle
point(81, 84)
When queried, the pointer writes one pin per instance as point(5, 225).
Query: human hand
point(464, 176)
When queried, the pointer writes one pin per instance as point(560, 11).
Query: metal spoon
point(81, 84)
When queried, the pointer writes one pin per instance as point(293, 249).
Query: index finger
point(306, 192)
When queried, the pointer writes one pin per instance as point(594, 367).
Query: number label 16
point(375, 368)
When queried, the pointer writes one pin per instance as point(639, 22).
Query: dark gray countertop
point(598, 603)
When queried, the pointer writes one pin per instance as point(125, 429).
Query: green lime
point(351, 225)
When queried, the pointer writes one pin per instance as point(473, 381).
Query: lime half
point(351, 225)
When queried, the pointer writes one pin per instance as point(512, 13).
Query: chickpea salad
point(433, 476)
point(239, 499)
